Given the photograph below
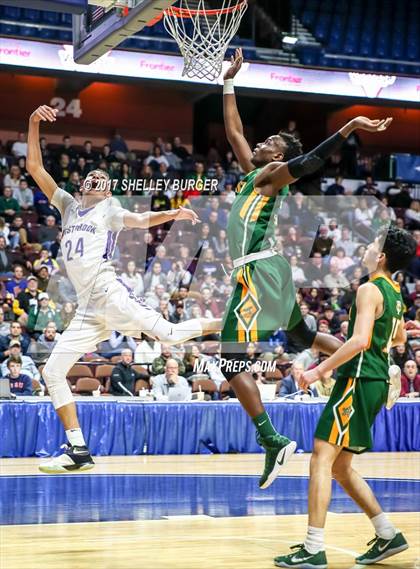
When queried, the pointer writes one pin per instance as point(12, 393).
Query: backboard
point(107, 23)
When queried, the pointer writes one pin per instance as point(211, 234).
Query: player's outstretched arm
point(233, 124)
point(34, 163)
point(368, 300)
point(152, 218)
point(276, 175)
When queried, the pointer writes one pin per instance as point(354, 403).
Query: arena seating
point(366, 30)
point(370, 36)
point(56, 27)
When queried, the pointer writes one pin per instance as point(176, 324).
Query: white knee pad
point(172, 334)
point(58, 387)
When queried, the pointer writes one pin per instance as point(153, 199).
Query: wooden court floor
point(196, 541)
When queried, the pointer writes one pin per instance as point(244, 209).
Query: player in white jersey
point(90, 232)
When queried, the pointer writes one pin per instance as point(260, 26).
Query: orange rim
point(187, 13)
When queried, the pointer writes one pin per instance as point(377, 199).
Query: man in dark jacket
point(15, 334)
point(290, 384)
point(123, 376)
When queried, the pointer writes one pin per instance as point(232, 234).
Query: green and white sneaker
point(302, 559)
point(278, 451)
point(382, 548)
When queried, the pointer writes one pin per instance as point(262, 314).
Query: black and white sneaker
point(73, 459)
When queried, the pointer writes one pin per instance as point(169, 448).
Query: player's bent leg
point(71, 346)
point(172, 334)
point(299, 333)
point(278, 448)
point(326, 343)
point(388, 540)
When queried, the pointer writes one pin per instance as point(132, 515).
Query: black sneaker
point(73, 459)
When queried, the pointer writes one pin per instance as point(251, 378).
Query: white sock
point(383, 527)
point(314, 541)
point(75, 437)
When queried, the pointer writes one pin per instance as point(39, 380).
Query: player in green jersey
point(263, 298)
point(361, 390)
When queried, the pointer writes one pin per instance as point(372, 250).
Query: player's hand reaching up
point(372, 125)
point(236, 63)
point(44, 113)
point(188, 215)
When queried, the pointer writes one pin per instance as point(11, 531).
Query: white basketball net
point(204, 35)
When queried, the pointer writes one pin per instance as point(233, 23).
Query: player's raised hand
point(236, 63)
point(44, 113)
point(378, 125)
point(188, 215)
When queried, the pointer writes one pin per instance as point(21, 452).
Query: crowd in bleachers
point(187, 276)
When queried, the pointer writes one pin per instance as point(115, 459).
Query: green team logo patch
point(344, 410)
point(247, 312)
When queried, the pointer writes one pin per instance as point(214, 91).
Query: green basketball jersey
point(252, 219)
point(373, 362)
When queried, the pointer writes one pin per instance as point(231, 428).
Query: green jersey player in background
point(361, 390)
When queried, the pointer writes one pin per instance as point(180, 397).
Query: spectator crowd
point(187, 276)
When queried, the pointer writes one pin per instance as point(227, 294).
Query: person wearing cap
point(40, 315)
point(15, 334)
point(28, 364)
point(124, 376)
point(29, 296)
point(20, 383)
point(324, 326)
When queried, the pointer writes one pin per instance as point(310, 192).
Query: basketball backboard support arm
point(90, 46)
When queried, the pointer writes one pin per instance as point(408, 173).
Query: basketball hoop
point(203, 35)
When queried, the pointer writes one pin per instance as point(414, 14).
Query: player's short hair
point(293, 146)
point(399, 248)
point(100, 172)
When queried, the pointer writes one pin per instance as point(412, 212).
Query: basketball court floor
point(190, 512)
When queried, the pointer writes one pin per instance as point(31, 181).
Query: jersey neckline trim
point(394, 284)
point(82, 212)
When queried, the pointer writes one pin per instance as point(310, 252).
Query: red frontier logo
point(285, 78)
point(15, 51)
point(156, 66)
